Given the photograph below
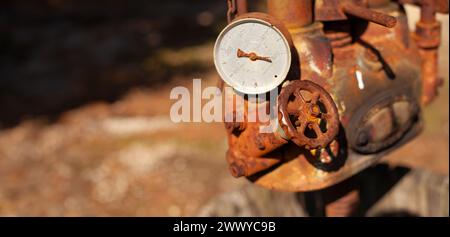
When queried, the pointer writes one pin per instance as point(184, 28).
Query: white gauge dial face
point(252, 56)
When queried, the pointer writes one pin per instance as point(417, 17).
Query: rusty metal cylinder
point(369, 15)
point(293, 13)
point(428, 12)
point(242, 7)
point(251, 142)
point(240, 165)
point(236, 8)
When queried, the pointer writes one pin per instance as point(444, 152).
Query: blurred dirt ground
point(84, 106)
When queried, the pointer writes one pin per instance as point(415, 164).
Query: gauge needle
point(252, 56)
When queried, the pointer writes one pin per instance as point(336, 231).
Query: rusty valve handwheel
point(308, 114)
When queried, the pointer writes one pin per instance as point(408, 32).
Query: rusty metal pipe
point(427, 12)
point(250, 142)
point(427, 37)
point(236, 8)
point(250, 166)
point(245, 136)
point(244, 166)
point(369, 15)
point(242, 7)
point(293, 13)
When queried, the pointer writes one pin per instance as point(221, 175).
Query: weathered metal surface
point(368, 66)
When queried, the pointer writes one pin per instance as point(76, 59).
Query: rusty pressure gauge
point(253, 53)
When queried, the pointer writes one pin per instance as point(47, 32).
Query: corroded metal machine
point(351, 80)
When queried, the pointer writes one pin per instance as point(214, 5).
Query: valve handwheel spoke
point(301, 128)
point(315, 97)
point(294, 111)
point(316, 129)
point(298, 94)
point(313, 121)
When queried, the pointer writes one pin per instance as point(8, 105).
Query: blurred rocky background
point(84, 125)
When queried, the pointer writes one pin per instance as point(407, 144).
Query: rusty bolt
point(237, 170)
point(363, 138)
